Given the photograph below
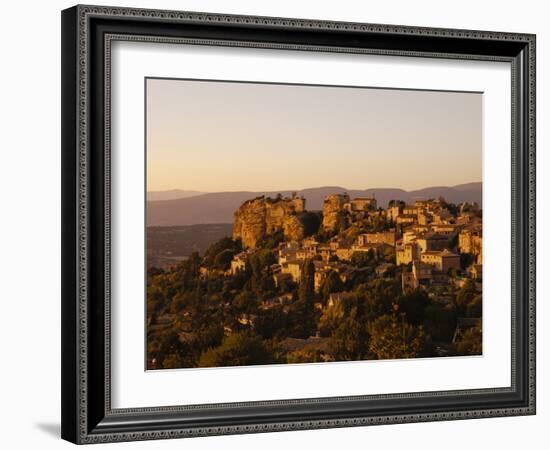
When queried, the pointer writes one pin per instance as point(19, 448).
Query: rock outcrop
point(261, 217)
point(333, 207)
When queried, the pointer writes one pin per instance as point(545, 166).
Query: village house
point(431, 241)
point(306, 252)
point(405, 219)
point(406, 254)
point(441, 260)
point(447, 229)
point(428, 205)
point(442, 216)
point(411, 210)
point(424, 218)
point(362, 204)
point(382, 237)
point(287, 251)
point(293, 268)
point(344, 253)
point(409, 237)
point(393, 212)
point(322, 269)
point(422, 273)
point(238, 262)
point(470, 241)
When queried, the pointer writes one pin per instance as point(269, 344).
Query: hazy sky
point(219, 136)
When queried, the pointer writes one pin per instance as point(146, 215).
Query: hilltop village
point(353, 281)
point(428, 238)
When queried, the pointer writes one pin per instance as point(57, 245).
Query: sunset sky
point(227, 136)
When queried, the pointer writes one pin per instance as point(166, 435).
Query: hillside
point(219, 207)
point(168, 245)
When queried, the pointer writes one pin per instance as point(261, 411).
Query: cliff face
point(257, 218)
point(332, 207)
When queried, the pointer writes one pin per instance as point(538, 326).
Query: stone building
point(431, 241)
point(382, 237)
point(441, 260)
point(406, 254)
point(470, 241)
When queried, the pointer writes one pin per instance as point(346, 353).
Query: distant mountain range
point(218, 207)
point(172, 194)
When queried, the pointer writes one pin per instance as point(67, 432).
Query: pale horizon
point(229, 137)
point(314, 187)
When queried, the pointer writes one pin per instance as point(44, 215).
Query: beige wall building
point(441, 260)
point(406, 254)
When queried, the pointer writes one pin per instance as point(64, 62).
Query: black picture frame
point(87, 416)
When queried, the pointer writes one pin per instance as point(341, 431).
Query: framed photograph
point(277, 224)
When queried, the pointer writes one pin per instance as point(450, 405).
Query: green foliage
point(237, 349)
point(220, 319)
point(311, 220)
point(413, 305)
point(451, 207)
point(474, 308)
point(440, 320)
point(350, 337)
point(302, 311)
point(261, 260)
point(465, 296)
point(470, 343)
point(245, 302)
point(399, 203)
point(331, 284)
point(379, 296)
point(223, 259)
point(391, 337)
point(305, 356)
point(272, 241)
point(363, 259)
point(227, 245)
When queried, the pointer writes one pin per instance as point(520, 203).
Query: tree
point(311, 355)
point(349, 340)
point(413, 305)
point(363, 259)
point(223, 259)
point(451, 207)
point(399, 203)
point(379, 296)
point(302, 310)
point(391, 337)
point(474, 308)
point(331, 284)
point(440, 320)
point(465, 295)
point(470, 343)
point(311, 221)
point(245, 302)
point(237, 349)
point(218, 247)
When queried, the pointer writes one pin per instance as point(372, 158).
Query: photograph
point(297, 223)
